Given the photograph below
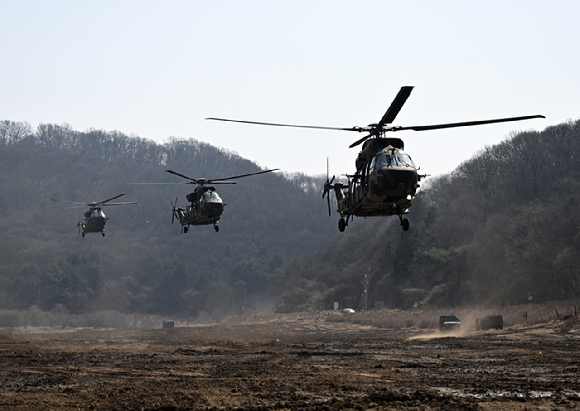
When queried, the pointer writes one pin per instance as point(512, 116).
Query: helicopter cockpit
point(208, 197)
point(95, 213)
point(387, 158)
point(98, 213)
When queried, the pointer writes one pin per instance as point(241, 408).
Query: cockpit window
point(211, 197)
point(386, 159)
point(403, 159)
point(382, 159)
point(97, 213)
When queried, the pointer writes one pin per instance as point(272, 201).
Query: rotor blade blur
point(68, 202)
point(120, 195)
point(242, 175)
point(181, 175)
point(396, 105)
point(359, 129)
point(111, 204)
point(464, 124)
point(135, 184)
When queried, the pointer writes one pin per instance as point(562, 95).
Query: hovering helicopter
point(206, 206)
point(386, 179)
point(95, 219)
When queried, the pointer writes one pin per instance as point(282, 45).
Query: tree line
point(144, 264)
point(502, 228)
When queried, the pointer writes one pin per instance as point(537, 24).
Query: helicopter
point(95, 219)
point(206, 206)
point(386, 179)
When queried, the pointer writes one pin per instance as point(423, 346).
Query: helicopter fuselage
point(95, 221)
point(384, 184)
point(206, 207)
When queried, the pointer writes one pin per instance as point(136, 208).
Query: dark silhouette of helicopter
point(206, 206)
point(386, 179)
point(95, 219)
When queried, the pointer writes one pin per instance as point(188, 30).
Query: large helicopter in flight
point(205, 205)
point(95, 219)
point(386, 179)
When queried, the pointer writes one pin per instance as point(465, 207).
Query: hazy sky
point(158, 69)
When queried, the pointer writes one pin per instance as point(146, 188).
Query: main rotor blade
point(396, 105)
point(112, 204)
point(356, 143)
point(181, 175)
point(68, 202)
point(135, 184)
point(240, 176)
point(359, 129)
point(464, 124)
point(103, 202)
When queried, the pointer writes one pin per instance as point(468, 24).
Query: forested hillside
point(502, 228)
point(144, 264)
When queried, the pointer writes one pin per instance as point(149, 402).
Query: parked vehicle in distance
point(488, 322)
point(448, 323)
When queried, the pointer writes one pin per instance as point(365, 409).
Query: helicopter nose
point(214, 209)
point(392, 179)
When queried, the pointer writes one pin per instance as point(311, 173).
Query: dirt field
point(276, 362)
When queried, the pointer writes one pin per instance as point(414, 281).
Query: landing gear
point(83, 234)
point(216, 228)
point(185, 228)
point(103, 233)
point(341, 225)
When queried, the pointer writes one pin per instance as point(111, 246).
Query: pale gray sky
point(157, 69)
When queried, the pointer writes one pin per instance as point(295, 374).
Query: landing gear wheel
point(405, 224)
point(185, 229)
point(83, 234)
point(216, 228)
point(103, 234)
point(341, 225)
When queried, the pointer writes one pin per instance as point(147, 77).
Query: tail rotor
point(327, 186)
point(174, 209)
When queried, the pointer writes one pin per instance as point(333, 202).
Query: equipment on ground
point(488, 322)
point(449, 323)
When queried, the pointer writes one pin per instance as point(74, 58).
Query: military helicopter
point(95, 219)
point(386, 179)
point(206, 206)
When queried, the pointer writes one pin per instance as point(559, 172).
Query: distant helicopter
point(206, 206)
point(386, 179)
point(95, 219)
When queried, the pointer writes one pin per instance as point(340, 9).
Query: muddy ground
point(275, 362)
